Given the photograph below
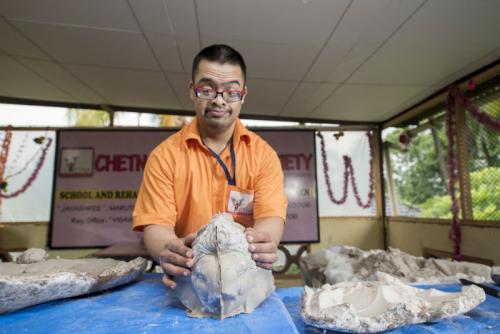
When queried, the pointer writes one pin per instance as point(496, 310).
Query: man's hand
point(176, 259)
point(262, 247)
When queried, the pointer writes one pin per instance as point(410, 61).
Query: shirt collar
point(191, 132)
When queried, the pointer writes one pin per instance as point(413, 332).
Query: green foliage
point(485, 197)
point(484, 143)
point(485, 193)
point(293, 270)
point(436, 207)
point(416, 170)
point(90, 118)
point(422, 178)
point(422, 181)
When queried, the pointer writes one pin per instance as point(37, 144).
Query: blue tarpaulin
point(146, 307)
point(142, 307)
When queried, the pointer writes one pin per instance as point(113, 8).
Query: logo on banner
point(76, 162)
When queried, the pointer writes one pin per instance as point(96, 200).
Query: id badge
point(240, 205)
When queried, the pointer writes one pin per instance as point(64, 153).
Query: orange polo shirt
point(184, 185)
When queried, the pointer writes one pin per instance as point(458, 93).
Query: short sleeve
point(155, 202)
point(269, 197)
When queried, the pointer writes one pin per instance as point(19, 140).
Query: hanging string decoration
point(45, 144)
point(348, 174)
point(27, 164)
point(456, 97)
point(4, 154)
point(16, 157)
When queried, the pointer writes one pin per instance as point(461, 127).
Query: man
point(212, 165)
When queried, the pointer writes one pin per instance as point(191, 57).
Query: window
point(38, 116)
point(135, 119)
point(416, 164)
point(416, 169)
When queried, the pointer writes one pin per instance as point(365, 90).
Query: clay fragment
point(32, 255)
point(31, 283)
point(351, 264)
point(225, 281)
point(367, 307)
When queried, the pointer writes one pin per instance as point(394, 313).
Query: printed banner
point(99, 172)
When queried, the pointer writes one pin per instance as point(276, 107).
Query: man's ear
point(191, 91)
point(244, 96)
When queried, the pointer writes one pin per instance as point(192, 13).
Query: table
point(147, 307)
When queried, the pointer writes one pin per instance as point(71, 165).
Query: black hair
point(221, 54)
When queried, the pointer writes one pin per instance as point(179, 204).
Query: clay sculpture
point(225, 281)
point(367, 307)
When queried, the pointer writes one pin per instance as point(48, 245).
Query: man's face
point(217, 114)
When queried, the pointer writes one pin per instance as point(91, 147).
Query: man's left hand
point(262, 248)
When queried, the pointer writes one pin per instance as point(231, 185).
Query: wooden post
point(390, 181)
point(378, 175)
point(377, 172)
point(463, 164)
point(111, 114)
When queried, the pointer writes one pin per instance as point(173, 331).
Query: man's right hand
point(176, 259)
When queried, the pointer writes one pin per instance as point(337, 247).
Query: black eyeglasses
point(208, 93)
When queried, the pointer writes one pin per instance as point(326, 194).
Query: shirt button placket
point(215, 186)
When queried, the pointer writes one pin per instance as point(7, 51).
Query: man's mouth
point(216, 112)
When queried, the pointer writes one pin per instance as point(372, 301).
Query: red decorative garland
point(4, 153)
point(5, 150)
point(480, 116)
point(38, 140)
point(17, 155)
point(348, 172)
point(456, 96)
point(33, 175)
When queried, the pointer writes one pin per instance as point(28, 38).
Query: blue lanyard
point(230, 180)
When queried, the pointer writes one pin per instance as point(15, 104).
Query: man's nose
point(219, 100)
